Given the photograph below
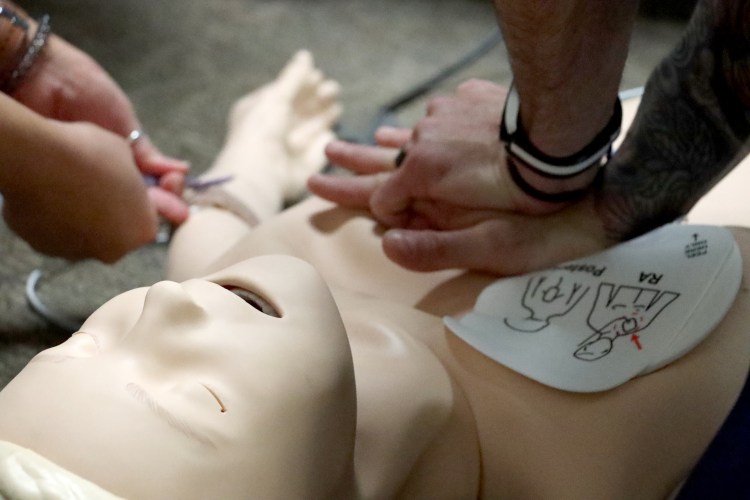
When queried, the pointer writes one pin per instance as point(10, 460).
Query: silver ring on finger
point(135, 136)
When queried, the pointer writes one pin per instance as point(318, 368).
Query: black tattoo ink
point(692, 126)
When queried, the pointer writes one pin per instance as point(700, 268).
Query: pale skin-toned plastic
point(389, 404)
point(29, 476)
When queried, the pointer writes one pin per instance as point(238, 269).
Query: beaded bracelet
point(35, 46)
point(14, 39)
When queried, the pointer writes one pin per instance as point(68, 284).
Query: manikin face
point(190, 391)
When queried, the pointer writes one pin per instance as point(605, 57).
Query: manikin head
point(190, 391)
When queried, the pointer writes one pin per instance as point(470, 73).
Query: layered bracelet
point(521, 153)
point(18, 47)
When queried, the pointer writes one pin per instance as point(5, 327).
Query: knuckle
point(423, 129)
point(437, 104)
point(468, 86)
point(473, 85)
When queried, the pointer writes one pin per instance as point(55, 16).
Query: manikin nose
point(168, 317)
point(168, 302)
point(169, 330)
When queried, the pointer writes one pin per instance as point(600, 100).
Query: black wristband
point(519, 146)
point(561, 197)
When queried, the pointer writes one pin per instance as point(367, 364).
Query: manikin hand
point(66, 84)
point(452, 201)
point(297, 111)
point(83, 198)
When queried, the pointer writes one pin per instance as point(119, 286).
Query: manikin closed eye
point(254, 300)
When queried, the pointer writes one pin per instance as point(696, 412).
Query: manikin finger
point(295, 74)
point(313, 159)
point(308, 132)
point(306, 97)
point(328, 92)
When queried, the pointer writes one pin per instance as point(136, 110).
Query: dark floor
point(183, 62)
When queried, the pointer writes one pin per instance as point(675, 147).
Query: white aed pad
point(594, 323)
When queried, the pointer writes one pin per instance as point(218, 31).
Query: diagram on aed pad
point(617, 312)
point(621, 311)
point(545, 298)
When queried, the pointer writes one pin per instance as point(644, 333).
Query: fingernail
point(386, 128)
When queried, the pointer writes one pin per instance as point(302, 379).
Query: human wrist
point(550, 191)
point(547, 177)
point(29, 142)
point(567, 78)
point(564, 123)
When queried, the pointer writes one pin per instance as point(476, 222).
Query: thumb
point(500, 246)
point(168, 205)
point(430, 250)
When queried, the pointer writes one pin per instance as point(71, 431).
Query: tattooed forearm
point(692, 126)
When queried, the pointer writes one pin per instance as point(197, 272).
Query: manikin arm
point(275, 141)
